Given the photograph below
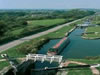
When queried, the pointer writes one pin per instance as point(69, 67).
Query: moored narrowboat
point(56, 49)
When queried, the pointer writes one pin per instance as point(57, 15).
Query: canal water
point(77, 48)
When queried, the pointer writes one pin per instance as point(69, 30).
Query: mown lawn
point(48, 22)
point(93, 29)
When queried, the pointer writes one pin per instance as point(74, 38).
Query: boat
point(56, 49)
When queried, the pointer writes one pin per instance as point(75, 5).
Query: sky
point(49, 4)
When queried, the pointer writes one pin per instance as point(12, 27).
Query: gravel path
point(19, 41)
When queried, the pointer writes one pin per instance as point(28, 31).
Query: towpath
point(19, 41)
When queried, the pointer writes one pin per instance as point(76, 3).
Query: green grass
point(48, 22)
point(60, 33)
point(32, 27)
point(3, 64)
point(84, 71)
point(17, 31)
point(93, 29)
point(13, 52)
point(89, 61)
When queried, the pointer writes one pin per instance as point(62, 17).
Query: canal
point(77, 48)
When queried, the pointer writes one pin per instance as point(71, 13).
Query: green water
point(77, 48)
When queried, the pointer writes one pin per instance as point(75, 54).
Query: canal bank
point(77, 44)
point(78, 47)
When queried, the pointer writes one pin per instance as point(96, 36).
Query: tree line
point(10, 20)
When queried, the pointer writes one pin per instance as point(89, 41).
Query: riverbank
point(29, 45)
point(92, 33)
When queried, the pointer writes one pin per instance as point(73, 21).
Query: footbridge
point(42, 58)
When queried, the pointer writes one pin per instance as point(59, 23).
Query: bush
point(32, 47)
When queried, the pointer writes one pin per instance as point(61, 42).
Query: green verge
point(92, 35)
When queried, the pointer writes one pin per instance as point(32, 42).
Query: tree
point(3, 28)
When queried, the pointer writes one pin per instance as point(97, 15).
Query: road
point(19, 41)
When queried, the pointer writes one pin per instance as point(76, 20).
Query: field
point(36, 25)
point(33, 27)
point(45, 23)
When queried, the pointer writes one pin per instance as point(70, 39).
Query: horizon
point(45, 9)
point(49, 4)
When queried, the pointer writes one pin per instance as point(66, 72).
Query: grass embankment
point(32, 27)
point(95, 32)
point(34, 45)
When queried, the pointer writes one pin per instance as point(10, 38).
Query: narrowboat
point(56, 49)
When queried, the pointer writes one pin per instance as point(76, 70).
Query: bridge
point(30, 59)
point(42, 58)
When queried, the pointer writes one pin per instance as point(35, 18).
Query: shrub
point(32, 47)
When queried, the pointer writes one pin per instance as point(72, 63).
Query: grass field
point(93, 29)
point(48, 22)
point(32, 27)
point(35, 24)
